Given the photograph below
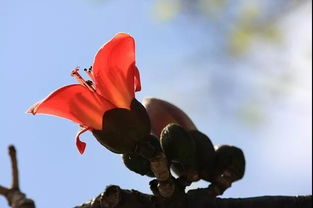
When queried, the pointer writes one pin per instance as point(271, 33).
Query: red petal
point(81, 146)
point(137, 80)
point(76, 103)
point(115, 71)
point(162, 113)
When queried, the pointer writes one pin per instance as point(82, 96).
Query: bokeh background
point(241, 69)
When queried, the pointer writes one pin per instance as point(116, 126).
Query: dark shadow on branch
point(115, 197)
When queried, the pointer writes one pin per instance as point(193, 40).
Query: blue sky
point(243, 101)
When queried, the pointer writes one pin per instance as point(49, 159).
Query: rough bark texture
point(115, 197)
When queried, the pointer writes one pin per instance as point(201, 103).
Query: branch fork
point(15, 198)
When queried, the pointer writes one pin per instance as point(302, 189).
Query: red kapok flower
point(115, 79)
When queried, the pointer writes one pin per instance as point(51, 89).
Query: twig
point(15, 178)
point(3, 190)
point(15, 198)
point(165, 186)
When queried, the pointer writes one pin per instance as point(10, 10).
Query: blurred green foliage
point(242, 20)
point(242, 50)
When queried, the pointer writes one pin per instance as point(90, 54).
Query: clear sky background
point(240, 69)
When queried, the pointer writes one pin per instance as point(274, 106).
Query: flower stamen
point(89, 73)
point(81, 80)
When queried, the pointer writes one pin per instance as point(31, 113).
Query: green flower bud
point(205, 154)
point(180, 150)
point(230, 159)
point(138, 164)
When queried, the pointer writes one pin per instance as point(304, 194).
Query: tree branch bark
point(15, 178)
point(15, 198)
point(115, 197)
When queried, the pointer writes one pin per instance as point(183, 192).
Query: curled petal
point(162, 113)
point(76, 103)
point(81, 146)
point(137, 83)
point(116, 76)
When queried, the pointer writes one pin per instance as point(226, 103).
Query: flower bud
point(162, 113)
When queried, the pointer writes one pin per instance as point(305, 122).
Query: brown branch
point(164, 184)
point(3, 190)
point(115, 197)
point(268, 202)
point(159, 166)
point(15, 178)
point(15, 198)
